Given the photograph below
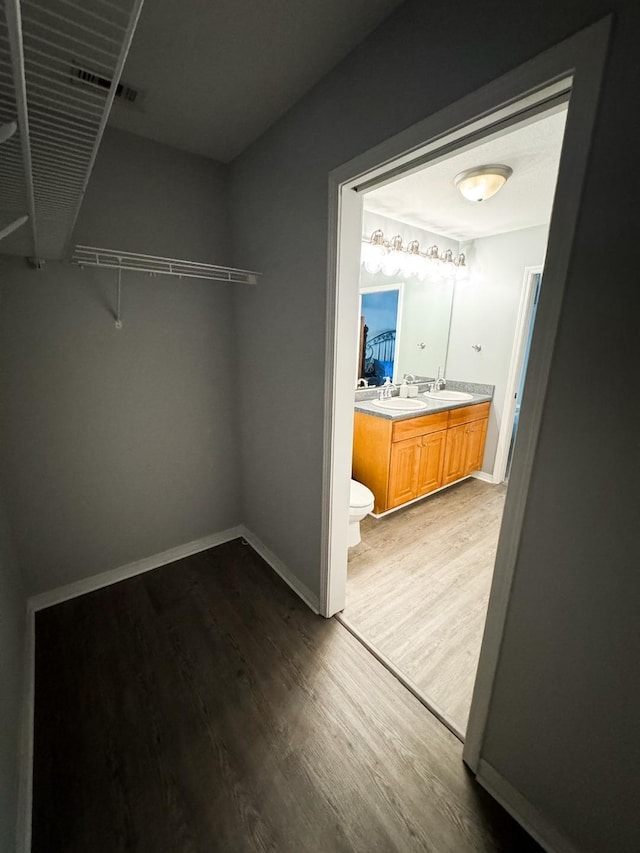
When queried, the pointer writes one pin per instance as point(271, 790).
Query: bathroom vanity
point(404, 456)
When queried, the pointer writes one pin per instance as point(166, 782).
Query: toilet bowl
point(361, 502)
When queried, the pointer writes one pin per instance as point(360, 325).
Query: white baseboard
point(72, 590)
point(25, 766)
point(482, 475)
point(56, 596)
point(310, 599)
point(420, 498)
point(523, 811)
point(477, 475)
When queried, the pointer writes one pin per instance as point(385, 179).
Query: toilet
point(360, 504)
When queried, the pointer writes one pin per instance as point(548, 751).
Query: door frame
point(579, 59)
point(508, 415)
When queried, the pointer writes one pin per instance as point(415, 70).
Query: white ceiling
point(215, 75)
point(428, 199)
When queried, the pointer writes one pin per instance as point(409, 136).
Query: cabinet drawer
point(468, 413)
point(413, 427)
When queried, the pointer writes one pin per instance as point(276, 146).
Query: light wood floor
point(418, 586)
point(202, 707)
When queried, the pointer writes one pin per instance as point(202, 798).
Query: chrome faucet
point(362, 383)
point(439, 383)
point(409, 377)
point(387, 390)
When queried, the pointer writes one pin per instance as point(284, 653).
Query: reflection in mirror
point(421, 330)
point(380, 313)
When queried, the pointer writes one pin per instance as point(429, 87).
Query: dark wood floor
point(203, 707)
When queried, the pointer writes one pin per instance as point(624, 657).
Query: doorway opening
point(427, 446)
point(522, 93)
point(574, 66)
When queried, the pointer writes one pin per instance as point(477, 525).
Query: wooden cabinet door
point(431, 462)
point(474, 440)
point(455, 454)
point(403, 471)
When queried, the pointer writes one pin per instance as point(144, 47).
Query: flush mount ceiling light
point(482, 182)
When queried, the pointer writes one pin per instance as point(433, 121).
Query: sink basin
point(400, 404)
point(451, 396)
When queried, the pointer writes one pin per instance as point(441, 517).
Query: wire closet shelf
point(60, 67)
point(91, 256)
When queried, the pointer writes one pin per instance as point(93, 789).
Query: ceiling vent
point(91, 79)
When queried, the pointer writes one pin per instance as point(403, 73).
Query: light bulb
point(413, 260)
point(393, 261)
point(375, 257)
point(462, 270)
point(462, 274)
point(373, 252)
point(447, 266)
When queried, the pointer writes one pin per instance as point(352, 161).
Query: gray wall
point(116, 445)
point(12, 634)
point(147, 197)
point(485, 311)
point(563, 725)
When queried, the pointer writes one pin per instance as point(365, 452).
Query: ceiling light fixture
point(482, 182)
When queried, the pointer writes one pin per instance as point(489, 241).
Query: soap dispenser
point(404, 388)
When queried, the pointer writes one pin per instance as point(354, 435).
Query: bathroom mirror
point(413, 338)
point(415, 341)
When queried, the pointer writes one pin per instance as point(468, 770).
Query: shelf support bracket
point(119, 299)
point(9, 229)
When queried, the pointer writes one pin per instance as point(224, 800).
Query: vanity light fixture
point(391, 258)
point(482, 182)
point(373, 252)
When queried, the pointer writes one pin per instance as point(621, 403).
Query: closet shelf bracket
point(114, 259)
point(119, 300)
point(13, 226)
